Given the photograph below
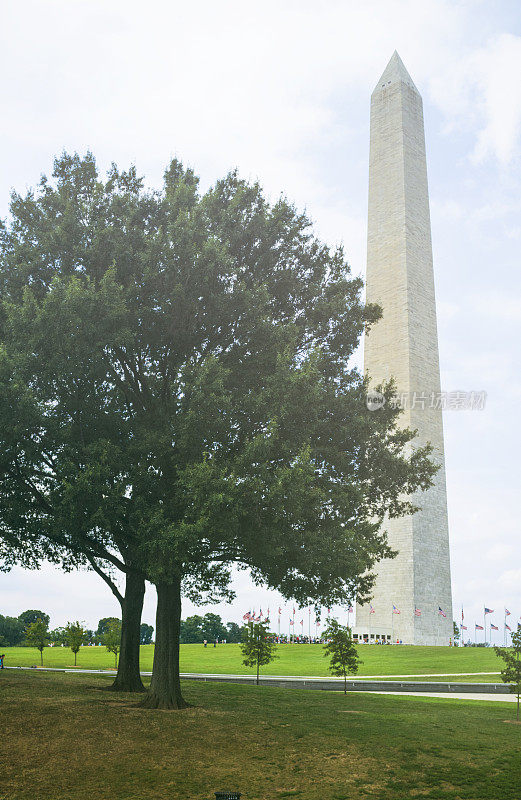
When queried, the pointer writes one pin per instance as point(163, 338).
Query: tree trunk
point(165, 686)
point(75, 657)
point(128, 678)
point(345, 683)
point(41, 658)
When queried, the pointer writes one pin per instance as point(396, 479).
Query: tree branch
point(110, 583)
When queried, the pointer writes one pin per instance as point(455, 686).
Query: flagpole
point(485, 623)
point(505, 630)
point(309, 625)
point(392, 625)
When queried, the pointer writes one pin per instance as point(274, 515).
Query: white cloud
point(480, 89)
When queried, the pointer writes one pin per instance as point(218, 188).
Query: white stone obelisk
point(404, 345)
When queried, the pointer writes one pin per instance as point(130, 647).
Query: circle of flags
point(253, 617)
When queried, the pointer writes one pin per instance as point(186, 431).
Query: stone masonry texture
point(404, 345)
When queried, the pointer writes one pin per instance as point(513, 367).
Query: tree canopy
point(178, 369)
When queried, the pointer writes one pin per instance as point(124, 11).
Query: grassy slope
point(64, 738)
point(293, 660)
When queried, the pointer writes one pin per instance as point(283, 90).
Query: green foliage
point(197, 629)
point(257, 648)
point(58, 636)
point(191, 630)
point(104, 624)
point(33, 615)
point(177, 390)
point(213, 628)
point(341, 650)
point(145, 633)
point(457, 633)
point(203, 348)
point(112, 637)
point(75, 637)
point(37, 635)
point(11, 631)
point(512, 671)
point(233, 635)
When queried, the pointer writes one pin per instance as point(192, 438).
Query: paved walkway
point(502, 698)
point(419, 687)
point(306, 678)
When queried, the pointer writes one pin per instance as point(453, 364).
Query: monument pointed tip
point(395, 71)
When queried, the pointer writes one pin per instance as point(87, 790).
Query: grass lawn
point(62, 737)
point(303, 659)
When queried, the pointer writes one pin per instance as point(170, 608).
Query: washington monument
point(404, 345)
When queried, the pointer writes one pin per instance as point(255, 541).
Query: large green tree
point(181, 371)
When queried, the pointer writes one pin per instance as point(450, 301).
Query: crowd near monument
point(412, 595)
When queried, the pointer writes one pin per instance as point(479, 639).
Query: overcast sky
point(281, 90)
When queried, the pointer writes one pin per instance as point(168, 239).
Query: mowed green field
point(302, 659)
point(62, 737)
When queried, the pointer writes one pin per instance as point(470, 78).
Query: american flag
point(257, 619)
point(302, 622)
point(507, 612)
point(318, 623)
point(371, 609)
point(463, 627)
point(247, 616)
point(508, 627)
point(291, 622)
point(396, 610)
point(350, 610)
point(417, 612)
point(479, 627)
point(280, 612)
point(489, 610)
point(441, 612)
point(494, 627)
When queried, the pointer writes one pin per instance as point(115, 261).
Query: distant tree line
point(194, 630)
point(210, 627)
